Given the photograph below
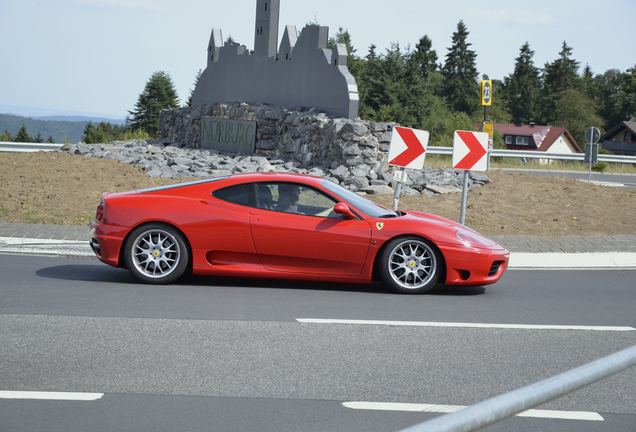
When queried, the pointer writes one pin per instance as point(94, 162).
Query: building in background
point(621, 139)
point(546, 138)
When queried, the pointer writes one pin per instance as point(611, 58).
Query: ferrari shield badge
point(379, 225)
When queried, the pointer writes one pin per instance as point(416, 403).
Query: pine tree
point(50, 140)
point(460, 87)
point(22, 135)
point(342, 36)
point(196, 81)
point(424, 56)
point(38, 138)
point(159, 94)
point(523, 88)
point(587, 82)
point(558, 76)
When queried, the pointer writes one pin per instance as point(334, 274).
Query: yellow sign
point(486, 92)
point(379, 225)
point(489, 128)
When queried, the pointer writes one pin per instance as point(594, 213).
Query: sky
point(94, 56)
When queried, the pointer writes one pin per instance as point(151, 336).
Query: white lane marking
point(432, 408)
point(70, 396)
point(462, 325)
point(583, 260)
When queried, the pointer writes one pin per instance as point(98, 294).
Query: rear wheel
point(410, 265)
point(156, 253)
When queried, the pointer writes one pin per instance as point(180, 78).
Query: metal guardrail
point(508, 404)
point(529, 154)
point(28, 147)
point(32, 147)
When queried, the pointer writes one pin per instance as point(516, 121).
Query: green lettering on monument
point(229, 136)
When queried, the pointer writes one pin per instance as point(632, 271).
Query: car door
point(308, 237)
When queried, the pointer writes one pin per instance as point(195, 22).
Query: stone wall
point(354, 151)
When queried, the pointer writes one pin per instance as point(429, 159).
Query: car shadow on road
point(105, 274)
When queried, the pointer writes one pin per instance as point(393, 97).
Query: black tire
point(159, 255)
point(392, 268)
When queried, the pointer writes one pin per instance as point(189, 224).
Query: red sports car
point(286, 226)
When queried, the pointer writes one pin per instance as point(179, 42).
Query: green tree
point(576, 112)
point(615, 96)
point(50, 140)
point(522, 89)
point(5, 136)
point(460, 88)
point(159, 94)
point(38, 138)
point(22, 135)
point(354, 63)
point(587, 82)
point(558, 76)
point(424, 57)
point(196, 81)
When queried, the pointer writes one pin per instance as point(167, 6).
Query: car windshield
point(364, 205)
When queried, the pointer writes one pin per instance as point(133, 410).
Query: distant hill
point(61, 128)
point(66, 118)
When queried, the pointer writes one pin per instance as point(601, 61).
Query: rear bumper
point(106, 242)
point(474, 266)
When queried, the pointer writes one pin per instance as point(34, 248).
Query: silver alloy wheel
point(155, 253)
point(412, 264)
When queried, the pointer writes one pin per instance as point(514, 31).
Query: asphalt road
point(629, 180)
point(230, 355)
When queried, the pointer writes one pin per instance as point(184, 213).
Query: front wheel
point(156, 253)
point(410, 265)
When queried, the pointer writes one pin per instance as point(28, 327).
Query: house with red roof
point(549, 139)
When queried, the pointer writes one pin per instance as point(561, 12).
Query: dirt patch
point(62, 189)
point(524, 204)
point(57, 188)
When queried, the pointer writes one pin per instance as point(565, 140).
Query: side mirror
point(343, 209)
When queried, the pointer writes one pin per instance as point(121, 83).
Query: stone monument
point(302, 73)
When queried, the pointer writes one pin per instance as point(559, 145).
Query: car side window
point(242, 194)
point(294, 198)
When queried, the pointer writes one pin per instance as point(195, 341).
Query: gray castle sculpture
point(303, 73)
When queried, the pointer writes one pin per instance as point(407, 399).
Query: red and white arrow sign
point(408, 147)
point(469, 151)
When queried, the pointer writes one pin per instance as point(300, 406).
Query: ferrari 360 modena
point(286, 226)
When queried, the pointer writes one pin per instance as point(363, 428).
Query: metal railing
point(528, 154)
point(28, 147)
point(508, 404)
point(533, 154)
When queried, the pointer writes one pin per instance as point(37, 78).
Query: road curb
point(518, 260)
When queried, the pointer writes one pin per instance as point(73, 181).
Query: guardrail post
point(508, 404)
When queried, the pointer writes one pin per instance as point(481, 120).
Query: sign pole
point(483, 130)
point(398, 189)
point(589, 173)
point(462, 214)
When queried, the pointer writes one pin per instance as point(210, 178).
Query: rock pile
point(160, 160)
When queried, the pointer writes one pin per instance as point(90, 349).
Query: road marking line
point(462, 325)
point(70, 396)
point(578, 260)
point(431, 408)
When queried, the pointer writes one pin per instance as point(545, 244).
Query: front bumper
point(474, 266)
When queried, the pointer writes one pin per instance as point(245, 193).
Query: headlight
point(472, 239)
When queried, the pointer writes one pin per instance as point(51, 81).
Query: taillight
point(99, 215)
